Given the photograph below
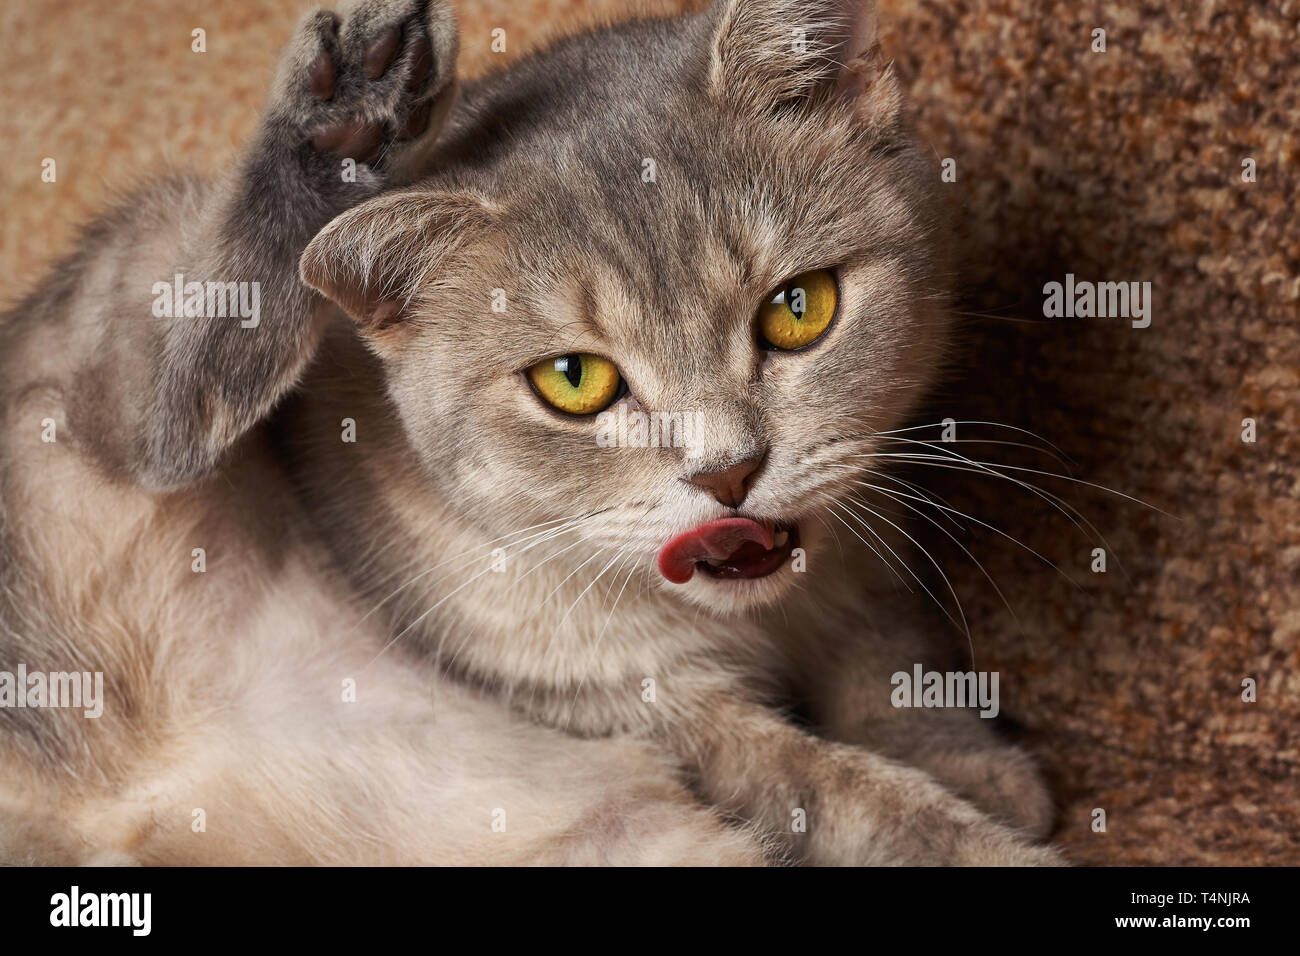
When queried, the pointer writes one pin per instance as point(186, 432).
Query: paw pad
point(367, 85)
point(380, 52)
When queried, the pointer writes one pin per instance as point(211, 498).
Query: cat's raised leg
point(353, 91)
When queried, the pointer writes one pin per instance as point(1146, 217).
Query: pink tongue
point(714, 539)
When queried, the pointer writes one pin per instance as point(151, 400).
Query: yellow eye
point(578, 384)
point(799, 312)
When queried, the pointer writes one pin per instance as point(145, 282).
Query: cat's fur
point(520, 696)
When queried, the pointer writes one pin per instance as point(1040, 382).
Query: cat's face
point(762, 279)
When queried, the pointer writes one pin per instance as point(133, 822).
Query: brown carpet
point(1116, 166)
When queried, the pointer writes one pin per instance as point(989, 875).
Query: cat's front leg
point(837, 804)
point(356, 93)
point(961, 751)
point(852, 689)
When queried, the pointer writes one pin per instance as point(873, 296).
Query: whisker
point(983, 524)
point(435, 606)
point(551, 557)
point(997, 318)
point(872, 531)
point(556, 629)
point(462, 556)
point(839, 545)
point(950, 455)
point(951, 590)
point(553, 533)
point(588, 587)
point(989, 441)
point(929, 496)
point(946, 510)
point(573, 706)
point(1014, 428)
point(997, 590)
point(568, 576)
point(1081, 522)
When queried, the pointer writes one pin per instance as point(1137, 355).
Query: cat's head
point(719, 223)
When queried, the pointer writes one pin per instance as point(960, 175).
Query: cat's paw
point(360, 83)
point(989, 843)
point(1003, 782)
point(952, 831)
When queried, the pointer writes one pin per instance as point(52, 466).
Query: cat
point(362, 583)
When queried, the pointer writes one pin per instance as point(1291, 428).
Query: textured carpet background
point(1116, 166)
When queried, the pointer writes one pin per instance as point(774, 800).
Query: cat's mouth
point(728, 548)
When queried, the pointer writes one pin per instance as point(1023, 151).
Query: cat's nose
point(731, 484)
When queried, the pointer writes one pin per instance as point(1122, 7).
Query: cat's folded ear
point(373, 259)
point(769, 55)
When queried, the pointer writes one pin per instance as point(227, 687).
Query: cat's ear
point(374, 258)
point(772, 54)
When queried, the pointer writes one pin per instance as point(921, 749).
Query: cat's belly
point(250, 712)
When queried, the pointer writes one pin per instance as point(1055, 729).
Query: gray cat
point(526, 554)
